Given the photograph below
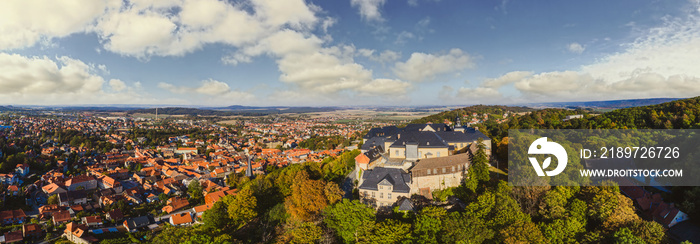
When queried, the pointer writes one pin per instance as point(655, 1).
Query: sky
point(345, 52)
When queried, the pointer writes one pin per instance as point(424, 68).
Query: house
point(405, 204)
point(81, 182)
point(668, 215)
point(115, 215)
point(133, 224)
point(52, 189)
point(438, 173)
point(72, 198)
point(12, 190)
point(151, 198)
point(78, 233)
point(13, 236)
point(92, 221)
point(60, 217)
point(107, 182)
point(199, 210)
point(22, 169)
point(381, 186)
point(175, 204)
point(213, 197)
point(363, 160)
point(186, 150)
point(47, 210)
point(181, 219)
point(9, 179)
point(32, 231)
point(13, 216)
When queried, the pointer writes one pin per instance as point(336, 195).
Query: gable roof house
point(60, 217)
point(134, 224)
point(383, 186)
point(181, 219)
point(363, 160)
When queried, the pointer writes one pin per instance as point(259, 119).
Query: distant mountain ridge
point(613, 104)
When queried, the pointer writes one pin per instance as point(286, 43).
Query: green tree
point(465, 228)
point(480, 162)
point(52, 199)
point(391, 231)
point(196, 192)
point(217, 217)
point(429, 224)
point(625, 236)
point(241, 208)
point(304, 232)
point(332, 192)
point(350, 219)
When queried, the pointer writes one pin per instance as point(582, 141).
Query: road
point(348, 183)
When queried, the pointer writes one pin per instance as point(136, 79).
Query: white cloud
point(386, 56)
point(214, 92)
point(365, 52)
point(575, 47)
point(305, 63)
point(117, 85)
point(172, 88)
point(63, 80)
point(477, 93)
point(369, 9)
point(423, 23)
point(660, 63)
point(413, 3)
point(506, 79)
point(403, 37)
point(143, 30)
point(213, 88)
point(27, 22)
point(421, 66)
point(384, 87)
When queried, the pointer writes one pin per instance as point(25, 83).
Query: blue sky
point(345, 52)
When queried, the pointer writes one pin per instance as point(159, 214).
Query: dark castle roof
point(396, 177)
point(421, 138)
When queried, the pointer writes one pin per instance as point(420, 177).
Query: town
point(81, 177)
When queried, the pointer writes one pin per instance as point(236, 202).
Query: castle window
point(453, 168)
point(388, 195)
point(381, 195)
point(438, 154)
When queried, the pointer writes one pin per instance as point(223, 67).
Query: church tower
point(458, 125)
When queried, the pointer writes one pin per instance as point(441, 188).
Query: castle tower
point(458, 125)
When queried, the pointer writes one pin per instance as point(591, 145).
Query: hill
point(612, 104)
point(478, 109)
